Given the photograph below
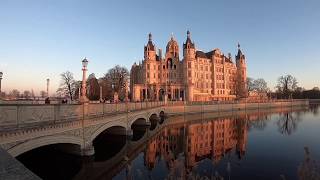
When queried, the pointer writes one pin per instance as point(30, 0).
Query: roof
point(201, 54)
point(240, 54)
point(171, 43)
point(188, 42)
point(150, 45)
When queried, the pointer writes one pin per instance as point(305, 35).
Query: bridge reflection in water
point(174, 146)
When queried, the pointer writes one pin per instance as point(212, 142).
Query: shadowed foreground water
point(272, 144)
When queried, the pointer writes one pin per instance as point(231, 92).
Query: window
point(164, 67)
point(189, 73)
point(148, 66)
point(154, 67)
point(189, 64)
point(148, 75)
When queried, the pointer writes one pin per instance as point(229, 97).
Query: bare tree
point(118, 76)
point(43, 94)
point(67, 85)
point(14, 93)
point(250, 84)
point(260, 85)
point(93, 88)
point(26, 94)
point(286, 85)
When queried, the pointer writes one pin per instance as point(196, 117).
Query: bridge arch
point(100, 130)
point(135, 118)
point(153, 119)
point(43, 141)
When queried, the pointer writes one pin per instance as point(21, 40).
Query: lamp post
point(0, 80)
point(48, 80)
point(112, 87)
point(84, 98)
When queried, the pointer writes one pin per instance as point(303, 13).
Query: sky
point(40, 39)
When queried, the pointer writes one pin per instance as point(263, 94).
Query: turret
point(189, 55)
point(189, 47)
point(241, 74)
point(150, 50)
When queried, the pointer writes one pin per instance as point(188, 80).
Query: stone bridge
point(26, 127)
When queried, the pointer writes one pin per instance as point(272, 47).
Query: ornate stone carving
point(8, 146)
point(8, 115)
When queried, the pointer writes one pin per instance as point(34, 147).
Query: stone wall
point(175, 109)
point(12, 169)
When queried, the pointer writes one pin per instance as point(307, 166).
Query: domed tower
point(189, 56)
point(150, 50)
point(172, 49)
point(241, 74)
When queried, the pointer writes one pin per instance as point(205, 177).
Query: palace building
point(197, 76)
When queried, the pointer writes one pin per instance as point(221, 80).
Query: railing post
point(18, 119)
point(103, 108)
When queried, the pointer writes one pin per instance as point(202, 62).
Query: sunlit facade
point(197, 76)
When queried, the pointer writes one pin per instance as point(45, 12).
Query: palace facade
point(197, 76)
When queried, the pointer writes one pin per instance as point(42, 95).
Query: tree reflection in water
point(309, 169)
point(259, 123)
point(288, 123)
point(314, 108)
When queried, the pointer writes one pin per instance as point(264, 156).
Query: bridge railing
point(191, 103)
point(30, 115)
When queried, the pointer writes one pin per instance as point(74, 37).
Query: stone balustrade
point(14, 116)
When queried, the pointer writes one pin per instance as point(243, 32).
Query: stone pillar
point(190, 92)
point(100, 93)
point(129, 134)
point(88, 149)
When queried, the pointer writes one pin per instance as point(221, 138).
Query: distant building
point(198, 76)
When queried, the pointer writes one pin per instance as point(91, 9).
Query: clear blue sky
point(39, 39)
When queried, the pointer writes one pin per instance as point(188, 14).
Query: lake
point(281, 143)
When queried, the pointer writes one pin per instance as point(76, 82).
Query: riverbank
point(204, 107)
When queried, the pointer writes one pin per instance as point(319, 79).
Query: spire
point(150, 45)
point(172, 36)
point(189, 43)
point(240, 54)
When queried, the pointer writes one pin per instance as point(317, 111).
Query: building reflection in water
point(182, 146)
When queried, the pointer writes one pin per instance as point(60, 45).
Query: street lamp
point(48, 80)
point(112, 87)
point(0, 80)
point(84, 98)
